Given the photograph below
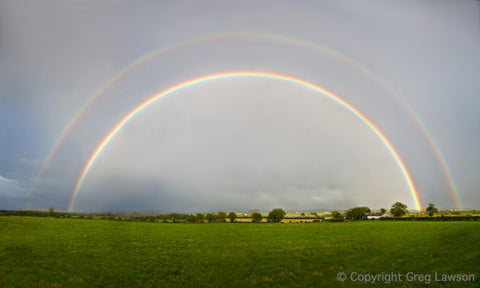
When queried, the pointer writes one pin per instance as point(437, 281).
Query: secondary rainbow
point(267, 75)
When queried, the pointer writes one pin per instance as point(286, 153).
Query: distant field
point(49, 252)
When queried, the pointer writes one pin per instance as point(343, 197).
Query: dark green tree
point(337, 216)
point(199, 217)
point(431, 209)
point(383, 210)
point(399, 209)
point(276, 215)
point(256, 217)
point(357, 213)
point(174, 217)
point(211, 217)
point(51, 212)
point(232, 216)
point(190, 218)
point(221, 216)
point(164, 218)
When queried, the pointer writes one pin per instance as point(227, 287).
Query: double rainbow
point(261, 37)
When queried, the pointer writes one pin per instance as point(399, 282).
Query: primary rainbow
point(175, 88)
point(262, 37)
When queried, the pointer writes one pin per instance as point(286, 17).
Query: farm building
point(376, 215)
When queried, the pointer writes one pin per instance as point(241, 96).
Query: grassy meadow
point(50, 252)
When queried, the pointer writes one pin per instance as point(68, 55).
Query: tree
point(174, 216)
point(211, 217)
point(337, 216)
point(383, 210)
point(276, 215)
point(199, 217)
point(51, 213)
point(357, 213)
point(302, 214)
point(232, 216)
point(221, 216)
point(431, 209)
point(399, 209)
point(190, 219)
point(256, 217)
point(164, 218)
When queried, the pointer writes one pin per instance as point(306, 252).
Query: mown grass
point(49, 252)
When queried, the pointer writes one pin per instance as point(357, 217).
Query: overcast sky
point(239, 143)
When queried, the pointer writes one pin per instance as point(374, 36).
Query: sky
point(239, 143)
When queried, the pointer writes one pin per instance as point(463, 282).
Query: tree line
point(398, 211)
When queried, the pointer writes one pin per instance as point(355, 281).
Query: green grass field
point(49, 252)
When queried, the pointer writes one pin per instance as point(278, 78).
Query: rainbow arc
point(244, 74)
